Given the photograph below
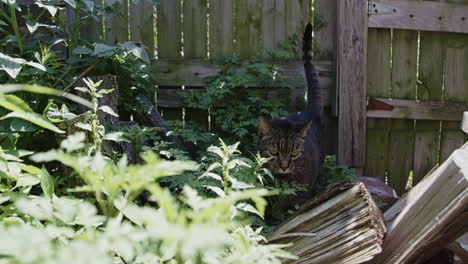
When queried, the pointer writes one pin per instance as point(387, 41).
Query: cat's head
point(283, 142)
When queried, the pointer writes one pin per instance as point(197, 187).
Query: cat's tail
point(313, 99)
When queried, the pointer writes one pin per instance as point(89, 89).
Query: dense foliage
point(65, 190)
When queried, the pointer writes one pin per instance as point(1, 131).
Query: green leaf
point(108, 110)
point(103, 50)
point(27, 181)
point(35, 119)
point(32, 25)
point(73, 142)
point(3, 23)
point(47, 182)
point(11, 88)
point(20, 125)
point(52, 9)
point(136, 49)
point(84, 126)
point(12, 66)
point(14, 103)
point(31, 169)
point(217, 190)
point(72, 3)
point(248, 208)
point(116, 137)
point(82, 51)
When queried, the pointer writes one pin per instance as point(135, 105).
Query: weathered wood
point(434, 210)
point(280, 18)
point(325, 29)
point(451, 139)
point(378, 85)
point(141, 24)
point(248, 26)
point(173, 72)
point(170, 45)
point(342, 225)
point(170, 98)
point(464, 125)
point(422, 15)
point(221, 28)
point(351, 81)
point(268, 24)
point(404, 66)
point(456, 88)
point(116, 25)
point(400, 154)
point(169, 29)
point(377, 136)
point(297, 16)
point(195, 29)
point(430, 84)
point(421, 110)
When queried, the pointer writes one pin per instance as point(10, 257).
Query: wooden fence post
point(351, 81)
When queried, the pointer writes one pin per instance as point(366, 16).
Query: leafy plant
point(234, 104)
point(332, 173)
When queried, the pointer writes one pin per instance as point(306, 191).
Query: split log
point(342, 225)
point(382, 193)
point(430, 216)
point(464, 125)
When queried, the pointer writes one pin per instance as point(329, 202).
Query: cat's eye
point(273, 152)
point(294, 154)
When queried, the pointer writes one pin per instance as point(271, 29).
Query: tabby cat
point(293, 142)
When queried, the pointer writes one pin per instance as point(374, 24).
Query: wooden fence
point(185, 37)
point(415, 54)
point(418, 57)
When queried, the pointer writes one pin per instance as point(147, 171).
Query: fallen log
point(430, 216)
point(342, 225)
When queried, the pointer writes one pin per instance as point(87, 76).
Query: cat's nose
point(284, 165)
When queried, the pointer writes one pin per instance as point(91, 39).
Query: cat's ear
point(304, 129)
point(264, 127)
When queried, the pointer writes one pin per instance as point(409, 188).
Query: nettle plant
point(107, 223)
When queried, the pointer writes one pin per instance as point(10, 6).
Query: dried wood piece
point(464, 126)
point(431, 215)
point(380, 191)
point(342, 225)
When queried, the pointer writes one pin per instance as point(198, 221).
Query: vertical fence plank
point(116, 27)
point(280, 18)
point(195, 46)
point(141, 24)
point(170, 42)
point(296, 17)
point(221, 28)
point(248, 41)
point(378, 85)
point(92, 31)
point(324, 19)
point(400, 163)
point(325, 29)
point(351, 81)
point(268, 24)
point(195, 28)
point(169, 29)
point(431, 69)
point(456, 89)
